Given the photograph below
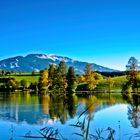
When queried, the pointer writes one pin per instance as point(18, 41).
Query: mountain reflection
point(42, 109)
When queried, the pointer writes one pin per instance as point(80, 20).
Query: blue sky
point(106, 32)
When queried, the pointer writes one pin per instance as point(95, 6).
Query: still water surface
point(27, 113)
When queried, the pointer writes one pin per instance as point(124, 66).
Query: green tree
point(132, 64)
point(60, 82)
point(51, 70)
point(62, 68)
point(71, 80)
point(24, 84)
point(133, 73)
point(98, 76)
point(127, 89)
point(34, 86)
point(3, 72)
point(33, 72)
point(43, 80)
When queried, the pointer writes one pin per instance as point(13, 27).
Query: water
point(27, 113)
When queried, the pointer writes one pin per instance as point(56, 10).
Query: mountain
point(37, 62)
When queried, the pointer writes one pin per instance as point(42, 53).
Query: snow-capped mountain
point(37, 62)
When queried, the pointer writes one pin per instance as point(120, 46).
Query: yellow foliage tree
point(110, 83)
point(81, 79)
point(43, 80)
point(90, 77)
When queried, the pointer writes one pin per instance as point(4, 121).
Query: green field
point(28, 78)
point(118, 83)
point(102, 84)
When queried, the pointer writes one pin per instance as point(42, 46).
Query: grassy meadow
point(118, 83)
point(28, 76)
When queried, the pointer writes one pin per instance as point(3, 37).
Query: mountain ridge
point(39, 61)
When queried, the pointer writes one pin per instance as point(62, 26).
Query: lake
point(25, 114)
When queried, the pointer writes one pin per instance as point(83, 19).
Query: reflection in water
point(45, 103)
point(72, 102)
point(34, 109)
point(63, 107)
point(59, 112)
point(91, 102)
point(58, 109)
point(134, 116)
point(134, 110)
point(39, 109)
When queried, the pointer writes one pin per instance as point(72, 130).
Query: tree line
point(63, 79)
point(58, 78)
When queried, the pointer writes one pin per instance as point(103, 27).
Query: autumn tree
point(88, 70)
point(12, 84)
point(90, 77)
point(71, 80)
point(43, 80)
point(110, 83)
point(81, 79)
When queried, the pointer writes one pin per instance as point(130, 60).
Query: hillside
point(37, 62)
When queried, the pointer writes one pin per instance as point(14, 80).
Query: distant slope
point(37, 62)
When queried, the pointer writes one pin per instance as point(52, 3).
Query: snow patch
point(4, 65)
point(35, 69)
point(54, 58)
point(14, 65)
point(44, 56)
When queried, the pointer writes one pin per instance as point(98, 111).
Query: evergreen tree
point(52, 71)
point(62, 68)
point(71, 80)
point(59, 81)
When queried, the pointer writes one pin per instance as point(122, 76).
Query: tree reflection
point(134, 116)
point(91, 102)
point(134, 110)
point(45, 103)
point(72, 101)
point(63, 107)
point(44, 108)
point(58, 108)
